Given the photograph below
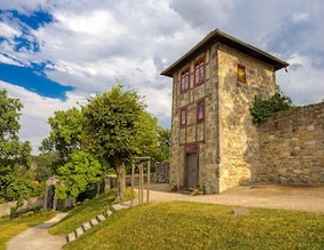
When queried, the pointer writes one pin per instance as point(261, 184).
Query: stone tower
point(214, 143)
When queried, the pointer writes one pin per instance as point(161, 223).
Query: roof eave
point(223, 37)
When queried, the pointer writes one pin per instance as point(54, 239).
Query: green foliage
point(262, 109)
point(184, 225)
point(165, 143)
point(147, 135)
point(111, 125)
point(44, 165)
point(9, 116)
point(14, 155)
point(81, 170)
point(66, 133)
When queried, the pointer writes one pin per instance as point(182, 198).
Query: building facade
point(214, 142)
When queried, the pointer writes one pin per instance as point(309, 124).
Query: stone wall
point(6, 207)
point(292, 147)
point(161, 174)
point(238, 136)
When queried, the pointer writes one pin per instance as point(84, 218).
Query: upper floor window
point(185, 81)
point(241, 73)
point(199, 72)
point(201, 111)
point(183, 117)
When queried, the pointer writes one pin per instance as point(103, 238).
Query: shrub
point(262, 109)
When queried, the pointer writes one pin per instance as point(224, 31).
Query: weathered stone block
point(86, 226)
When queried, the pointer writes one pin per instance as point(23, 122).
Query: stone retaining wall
point(5, 207)
point(291, 147)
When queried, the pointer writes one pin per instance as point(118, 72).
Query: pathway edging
point(98, 219)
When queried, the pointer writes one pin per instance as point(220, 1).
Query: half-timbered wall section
point(194, 123)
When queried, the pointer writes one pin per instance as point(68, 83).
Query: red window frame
point(241, 73)
point(183, 117)
point(199, 72)
point(201, 111)
point(185, 81)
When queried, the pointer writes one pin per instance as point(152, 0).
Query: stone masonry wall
point(239, 149)
point(292, 147)
point(203, 134)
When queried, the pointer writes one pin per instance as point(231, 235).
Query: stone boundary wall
point(291, 147)
point(5, 207)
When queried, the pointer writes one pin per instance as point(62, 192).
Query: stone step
point(79, 231)
point(94, 222)
point(70, 237)
point(101, 218)
point(108, 212)
point(86, 226)
point(98, 219)
point(118, 207)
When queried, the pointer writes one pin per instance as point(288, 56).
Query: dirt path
point(38, 238)
point(263, 196)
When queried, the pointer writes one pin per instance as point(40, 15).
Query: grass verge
point(87, 211)
point(83, 213)
point(10, 228)
point(182, 225)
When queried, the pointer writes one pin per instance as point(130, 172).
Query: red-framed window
point(241, 73)
point(201, 111)
point(185, 81)
point(183, 117)
point(199, 73)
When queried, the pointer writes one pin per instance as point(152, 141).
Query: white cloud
point(23, 5)
point(7, 31)
point(302, 83)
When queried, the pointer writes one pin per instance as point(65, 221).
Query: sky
point(55, 54)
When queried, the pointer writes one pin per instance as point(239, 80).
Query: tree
point(165, 143)
point(44, 165)
point(147, 136)
point(65, 135)
point(14, 155)
point(111, 126)
point(81, 170)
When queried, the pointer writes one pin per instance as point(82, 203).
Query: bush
point(262, 109)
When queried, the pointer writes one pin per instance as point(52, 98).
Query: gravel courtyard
point(309, 199)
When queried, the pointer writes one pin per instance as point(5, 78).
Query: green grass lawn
point(10, 228)
point(83, 213)
point(181, 225)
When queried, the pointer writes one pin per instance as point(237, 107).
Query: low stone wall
point(291, 147)
point(5, 207)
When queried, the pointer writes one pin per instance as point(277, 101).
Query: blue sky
point(55, 54)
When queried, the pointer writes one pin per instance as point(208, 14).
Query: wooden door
point(192, 170)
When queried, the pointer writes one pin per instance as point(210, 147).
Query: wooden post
point(142, 182)
point(132, 183)
point(54, 203)
point(45, 197)
point(148, 181)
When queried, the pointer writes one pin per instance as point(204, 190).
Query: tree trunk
point(121, 181)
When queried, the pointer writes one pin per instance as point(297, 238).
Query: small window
point(183, 117)
point(201, 111)
point(185, 81)
point(241, 73)
point(199, 73)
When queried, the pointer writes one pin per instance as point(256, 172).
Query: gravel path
point(38, 238)
point(310, 199)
